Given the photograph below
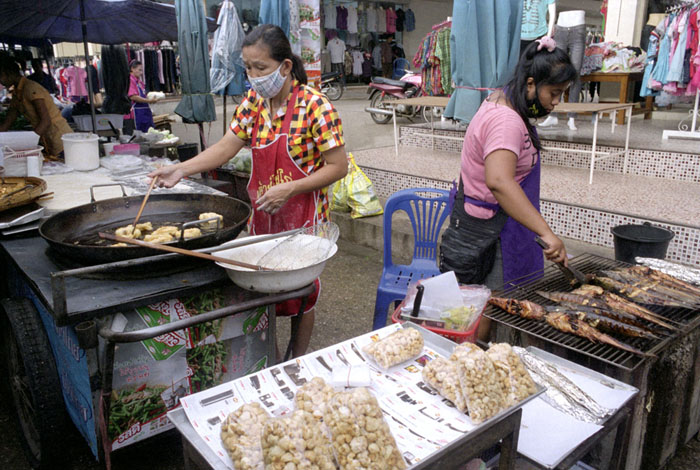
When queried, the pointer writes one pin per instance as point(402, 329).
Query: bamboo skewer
point(145, 198)
point(182, 251)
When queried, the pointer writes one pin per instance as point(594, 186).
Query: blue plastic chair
point(427, 208)
point(400, 67)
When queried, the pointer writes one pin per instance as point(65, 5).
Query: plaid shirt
point(315, 128)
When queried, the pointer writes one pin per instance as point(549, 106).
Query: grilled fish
point(666, 279)
point(604, 323)
point(521, 308)
point(569, 323)
point(639, 294)
point(600, 306)
point(657, 286)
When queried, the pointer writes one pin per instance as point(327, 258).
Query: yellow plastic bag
point(362, 200)
point(339, 193)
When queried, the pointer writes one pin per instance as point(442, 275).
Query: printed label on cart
point(164, 346)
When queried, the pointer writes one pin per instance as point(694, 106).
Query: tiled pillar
point(625, 21)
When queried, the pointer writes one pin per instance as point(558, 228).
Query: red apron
point(272, 165)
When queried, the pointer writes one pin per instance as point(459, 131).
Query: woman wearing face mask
point(297, 143)
point(496, 215)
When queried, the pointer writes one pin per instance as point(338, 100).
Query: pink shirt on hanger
point(390, 20)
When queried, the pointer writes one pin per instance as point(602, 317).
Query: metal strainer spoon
point(306, 248)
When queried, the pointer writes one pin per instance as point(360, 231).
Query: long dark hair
point(546, 68)
point(278, 45)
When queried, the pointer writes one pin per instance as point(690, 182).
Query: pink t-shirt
point(493, 127)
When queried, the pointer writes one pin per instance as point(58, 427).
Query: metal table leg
point(593, 149)
point(627, 138)
point(396, 136)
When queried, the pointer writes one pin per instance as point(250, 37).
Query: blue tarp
point(484, 47)
point(275, 12)
point(197, 104)
point(108, 21)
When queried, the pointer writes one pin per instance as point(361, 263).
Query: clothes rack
point(684, 131)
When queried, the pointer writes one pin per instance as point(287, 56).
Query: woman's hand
point(152, 100)
point(556, 251)
point(168, 176)
point(275, 197)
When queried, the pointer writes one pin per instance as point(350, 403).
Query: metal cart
point(57, 340)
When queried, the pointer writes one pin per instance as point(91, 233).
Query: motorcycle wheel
point(334, 91)
point(435, 112)
point(376, 102)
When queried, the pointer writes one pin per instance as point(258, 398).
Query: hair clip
point(546, 42)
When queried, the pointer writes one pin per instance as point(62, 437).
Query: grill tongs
point(571, 273)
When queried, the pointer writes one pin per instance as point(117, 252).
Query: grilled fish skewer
point(521, 308)
point(639, 295)
point(604, 323)
point(670, 281)
point(653, 286)
point(571, 324)
point(592, 304)
point(560, 321)
point(596, 297)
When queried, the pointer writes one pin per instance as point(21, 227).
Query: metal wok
point(73, 233)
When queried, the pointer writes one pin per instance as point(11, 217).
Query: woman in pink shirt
point(496, 215)
point(140, 111)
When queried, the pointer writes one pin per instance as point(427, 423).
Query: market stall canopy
point(485, 46)
point(197, 104)
point(107, 21)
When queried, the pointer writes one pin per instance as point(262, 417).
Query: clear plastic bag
point(314, 396)
point(481, 387)
point(361, 438)
point(443, 376)
point(296, 442)
point(398, 347)
point(520, 383)
point(241, 432)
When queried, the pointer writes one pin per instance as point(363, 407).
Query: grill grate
point(553, 280)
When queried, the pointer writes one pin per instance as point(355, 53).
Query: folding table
point(597, 109)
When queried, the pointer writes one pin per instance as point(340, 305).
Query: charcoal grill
point(662, 419)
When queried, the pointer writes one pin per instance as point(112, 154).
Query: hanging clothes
point(434, 59)
point(351, 19)
point(410, 22)
point(673, 70)
point(357, 60)
point(390, 20)
point(330, 16)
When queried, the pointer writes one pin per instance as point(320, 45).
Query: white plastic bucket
point(82, 151)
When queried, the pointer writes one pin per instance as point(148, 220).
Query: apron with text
point(272, 165)
point(143, 117)
point(521, 255)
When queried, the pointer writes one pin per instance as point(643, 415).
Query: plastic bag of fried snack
point(313, 397)
point(398, 347)
point(241, 432)
point(361, 438)
point(296, 442)
point(480, 385)
point(443, 376)
point(520, 383)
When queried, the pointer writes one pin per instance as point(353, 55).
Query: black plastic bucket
point(644, 240)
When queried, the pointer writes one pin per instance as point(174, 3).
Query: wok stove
point(667, 411)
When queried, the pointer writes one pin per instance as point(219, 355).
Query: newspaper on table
point(420, 420)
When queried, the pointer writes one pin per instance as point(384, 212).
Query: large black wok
point(73, 232)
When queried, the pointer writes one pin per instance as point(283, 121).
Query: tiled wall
point(654, 163)
point(579, 223)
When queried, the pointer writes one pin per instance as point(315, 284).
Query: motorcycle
point(331, 85)
point(383, 90)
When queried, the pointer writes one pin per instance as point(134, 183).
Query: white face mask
point(269, 85)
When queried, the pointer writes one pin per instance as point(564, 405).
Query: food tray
point(207, 406)
point(24, 197)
